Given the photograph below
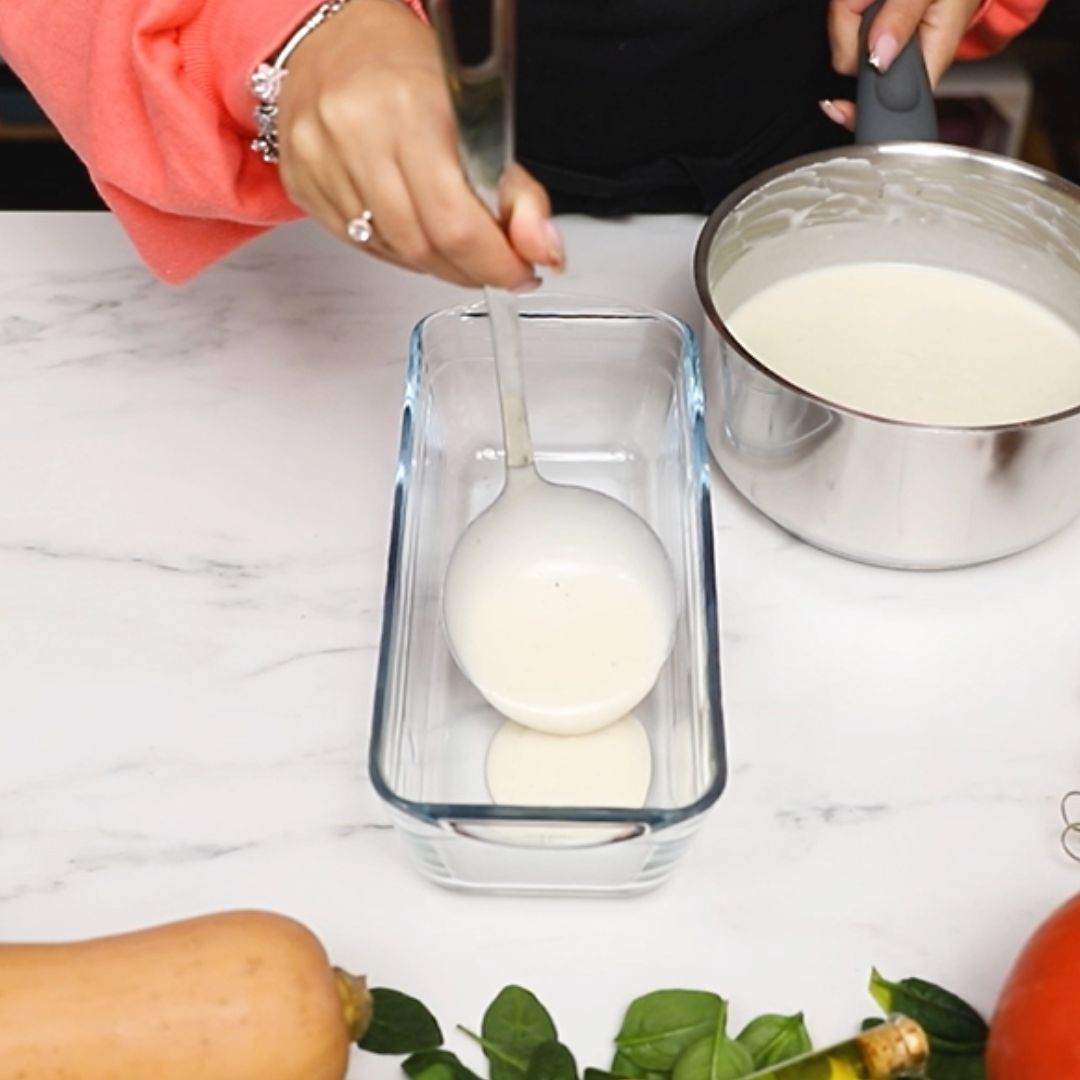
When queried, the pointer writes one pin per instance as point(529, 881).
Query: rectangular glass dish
point(615, 403)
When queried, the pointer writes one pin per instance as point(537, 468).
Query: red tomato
point(1035, 1029)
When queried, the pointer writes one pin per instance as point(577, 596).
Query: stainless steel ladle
point(552, 525)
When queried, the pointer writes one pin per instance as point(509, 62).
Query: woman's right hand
point(939, 24)
point(365, 123)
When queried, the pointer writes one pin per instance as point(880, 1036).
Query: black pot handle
point(898, 105)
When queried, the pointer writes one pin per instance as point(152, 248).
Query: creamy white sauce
point(914, 343)
point(611, 767)
point(559, 606)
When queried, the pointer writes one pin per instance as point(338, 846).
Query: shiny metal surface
point(875, 490)
point(482, 96)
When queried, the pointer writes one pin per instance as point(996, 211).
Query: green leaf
point(437, 1070)
point(716, 1057)
point(948, 1020)
point(944, 1066)
point(622, 1068)
point(514, 1025)
point(772, 1038)
point(437, 1065)
point(871, 1022)
point(399, 1025)
point(551, 1061)
point(947, 1046)
point(659, 1026)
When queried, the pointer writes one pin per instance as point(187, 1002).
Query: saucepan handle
point(898, 105)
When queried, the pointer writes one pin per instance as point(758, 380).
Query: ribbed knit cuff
point(980, 14)
point(995, 24)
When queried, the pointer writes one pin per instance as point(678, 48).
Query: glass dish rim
point(563, 306)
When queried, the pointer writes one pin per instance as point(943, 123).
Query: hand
point(940, 24)
point(365, 123)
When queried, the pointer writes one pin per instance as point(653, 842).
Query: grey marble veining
point(194, 498)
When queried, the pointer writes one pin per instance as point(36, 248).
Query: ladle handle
point(897, 105)
point(506, 341)
point(483, 98)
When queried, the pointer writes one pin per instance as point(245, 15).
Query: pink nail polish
point(556, 247)
point(832, 112)
point(528, 286)
point(884, 52)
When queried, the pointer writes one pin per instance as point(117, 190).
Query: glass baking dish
point(615, 403)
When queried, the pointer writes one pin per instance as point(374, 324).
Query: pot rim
point(866, 152)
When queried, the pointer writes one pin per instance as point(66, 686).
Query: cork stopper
point(898, 1047)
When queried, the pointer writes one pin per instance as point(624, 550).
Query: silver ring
point(360, 229)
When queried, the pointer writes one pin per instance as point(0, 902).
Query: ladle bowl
point(559, 605)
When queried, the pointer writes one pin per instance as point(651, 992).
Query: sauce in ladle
point(559, 605)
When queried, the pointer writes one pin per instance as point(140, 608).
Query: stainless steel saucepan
point(877, 490)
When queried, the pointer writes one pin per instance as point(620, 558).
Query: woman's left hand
point(940, 24)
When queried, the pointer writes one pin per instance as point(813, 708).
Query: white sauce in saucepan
point(914, 343)
point(559, 605)
point(611, 767)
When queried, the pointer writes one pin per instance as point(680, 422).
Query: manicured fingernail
point(884, 52)
point(528, 286)
point(556, 248)
point(832, 112)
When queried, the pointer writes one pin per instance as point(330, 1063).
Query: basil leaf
point(871, 1022)
point(772, 1038)
point(947, 1046)
point(399, 1025)
point(437, 1065)
point(943, 1016)
point(622, 1068)
point(956, 1066)
point(716, 1057)
point(551, 1061)
point(437, 1070)
point(601, 1074)
point(514, 1025)
point(659, 1026)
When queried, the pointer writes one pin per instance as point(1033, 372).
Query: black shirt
point(666, 105)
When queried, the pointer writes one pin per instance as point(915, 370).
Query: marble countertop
point(194, 501)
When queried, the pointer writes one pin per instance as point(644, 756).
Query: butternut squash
point(243, 995)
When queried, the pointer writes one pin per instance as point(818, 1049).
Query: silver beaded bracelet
point(267, 78)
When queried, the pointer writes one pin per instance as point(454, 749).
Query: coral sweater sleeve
point(995, 24)
point(153, 96)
